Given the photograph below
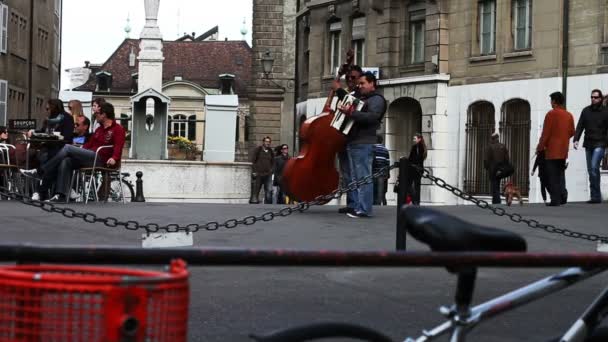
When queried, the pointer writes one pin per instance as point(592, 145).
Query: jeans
point(594, 158)
point(59, 168)
point(380, 186)
point(260, 181)
point(345, 177)
point(361, 156)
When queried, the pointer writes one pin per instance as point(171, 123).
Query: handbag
point(504, 170)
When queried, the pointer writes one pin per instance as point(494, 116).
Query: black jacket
point(416, 156)
point(594, 121)
point(367, 121)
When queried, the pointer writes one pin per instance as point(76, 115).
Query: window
point(334, 46)
point(19, 34)
point(417, 32)
point(487, 27)
point(3, 28)
point(3, 100)
point(358, 44)
point(305, 48)
point(42, 47)
point(16, 101)
point(179, 126)
point(522, 24)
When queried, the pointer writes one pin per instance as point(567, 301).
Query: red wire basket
point(86, 303)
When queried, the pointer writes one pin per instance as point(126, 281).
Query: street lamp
point(267, 62)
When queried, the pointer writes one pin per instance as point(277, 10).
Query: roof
point(201, 62)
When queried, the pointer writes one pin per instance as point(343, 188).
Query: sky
point(93, 29)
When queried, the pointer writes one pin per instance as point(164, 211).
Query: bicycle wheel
point(127, 189)
point(598, 335)
point(318, 331)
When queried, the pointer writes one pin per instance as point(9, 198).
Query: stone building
point(193, 68)
point(30, 57)
point(459, 70)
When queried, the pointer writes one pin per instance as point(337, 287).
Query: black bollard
point(139, 188)
point(404, 181)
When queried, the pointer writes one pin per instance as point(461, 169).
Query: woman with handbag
point(417, 157)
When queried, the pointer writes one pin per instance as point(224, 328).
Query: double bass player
point(353, 73)
point(361, 139)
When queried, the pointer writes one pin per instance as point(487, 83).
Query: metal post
point(404, 182)
point(139, 188)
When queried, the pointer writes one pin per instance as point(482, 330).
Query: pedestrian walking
point(558, 128)
point(262, 160)
point(594, 122)
point(280, 159)
point(381, 160)
point(496, 162)
point(361, 139)
point(417, 156)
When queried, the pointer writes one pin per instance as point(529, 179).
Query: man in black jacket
point(496, 155)
point(361, 139)
point(594, 121)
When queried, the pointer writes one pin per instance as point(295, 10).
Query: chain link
point(518, 218)
point(195, 227)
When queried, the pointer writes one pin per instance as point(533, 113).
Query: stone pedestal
point(220, 128)
point(149, 133)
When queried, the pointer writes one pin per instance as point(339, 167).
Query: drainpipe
point(30, 70)
point(565, 29)
point(296, 86)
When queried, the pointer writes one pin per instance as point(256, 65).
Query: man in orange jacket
point(558, 128)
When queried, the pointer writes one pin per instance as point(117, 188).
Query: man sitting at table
point(71, 157)
point(81, 130)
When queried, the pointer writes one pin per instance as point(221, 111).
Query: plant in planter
point(182, 148)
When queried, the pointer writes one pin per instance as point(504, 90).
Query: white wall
point(536, 92)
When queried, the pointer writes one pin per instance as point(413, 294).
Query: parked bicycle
point(445, 233)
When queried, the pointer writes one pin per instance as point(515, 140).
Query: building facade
point(192, 69)
point(459, 70)
point(30, 57)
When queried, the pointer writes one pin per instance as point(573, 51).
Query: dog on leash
point(510, 192)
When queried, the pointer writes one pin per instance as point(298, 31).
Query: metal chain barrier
point(518, 218)
point(195, 227)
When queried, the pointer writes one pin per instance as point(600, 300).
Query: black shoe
point(594, 201)
point(553, 204)
point(346, 210)
point(254, 202)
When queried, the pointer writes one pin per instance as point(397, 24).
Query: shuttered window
point(3, 101)
point(335, 29)
point(3, 28)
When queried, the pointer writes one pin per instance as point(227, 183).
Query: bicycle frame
point(461, 326)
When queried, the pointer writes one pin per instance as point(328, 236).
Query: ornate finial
point(244, 28)
point(128, 26)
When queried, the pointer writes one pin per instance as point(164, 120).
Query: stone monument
point(149, 134)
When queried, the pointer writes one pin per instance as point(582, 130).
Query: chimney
point(86, 64)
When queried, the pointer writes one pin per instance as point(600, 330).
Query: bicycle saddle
point(446, 233)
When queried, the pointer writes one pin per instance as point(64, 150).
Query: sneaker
point(35, 196)
point(346, 210)
point(357, 215)
point(29, 173)
point(74, 195)
point(57, 199)
point(594, 201)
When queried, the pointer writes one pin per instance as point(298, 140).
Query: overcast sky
point(93, 29)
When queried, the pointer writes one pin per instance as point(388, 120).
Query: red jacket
point(113, 135)
point(557, 131)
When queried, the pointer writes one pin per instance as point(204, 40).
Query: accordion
point(341, 121)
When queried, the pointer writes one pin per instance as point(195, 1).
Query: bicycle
point(115, 193)
point(445, 233)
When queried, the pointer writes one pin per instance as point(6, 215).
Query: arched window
point(515, 134)
point(479, 128)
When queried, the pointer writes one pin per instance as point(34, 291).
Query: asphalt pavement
point(228, 303)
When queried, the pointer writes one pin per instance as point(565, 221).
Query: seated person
point(81, 130)
point(71, 157)
point(4, 140)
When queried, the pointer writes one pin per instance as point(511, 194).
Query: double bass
point(313, 172)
